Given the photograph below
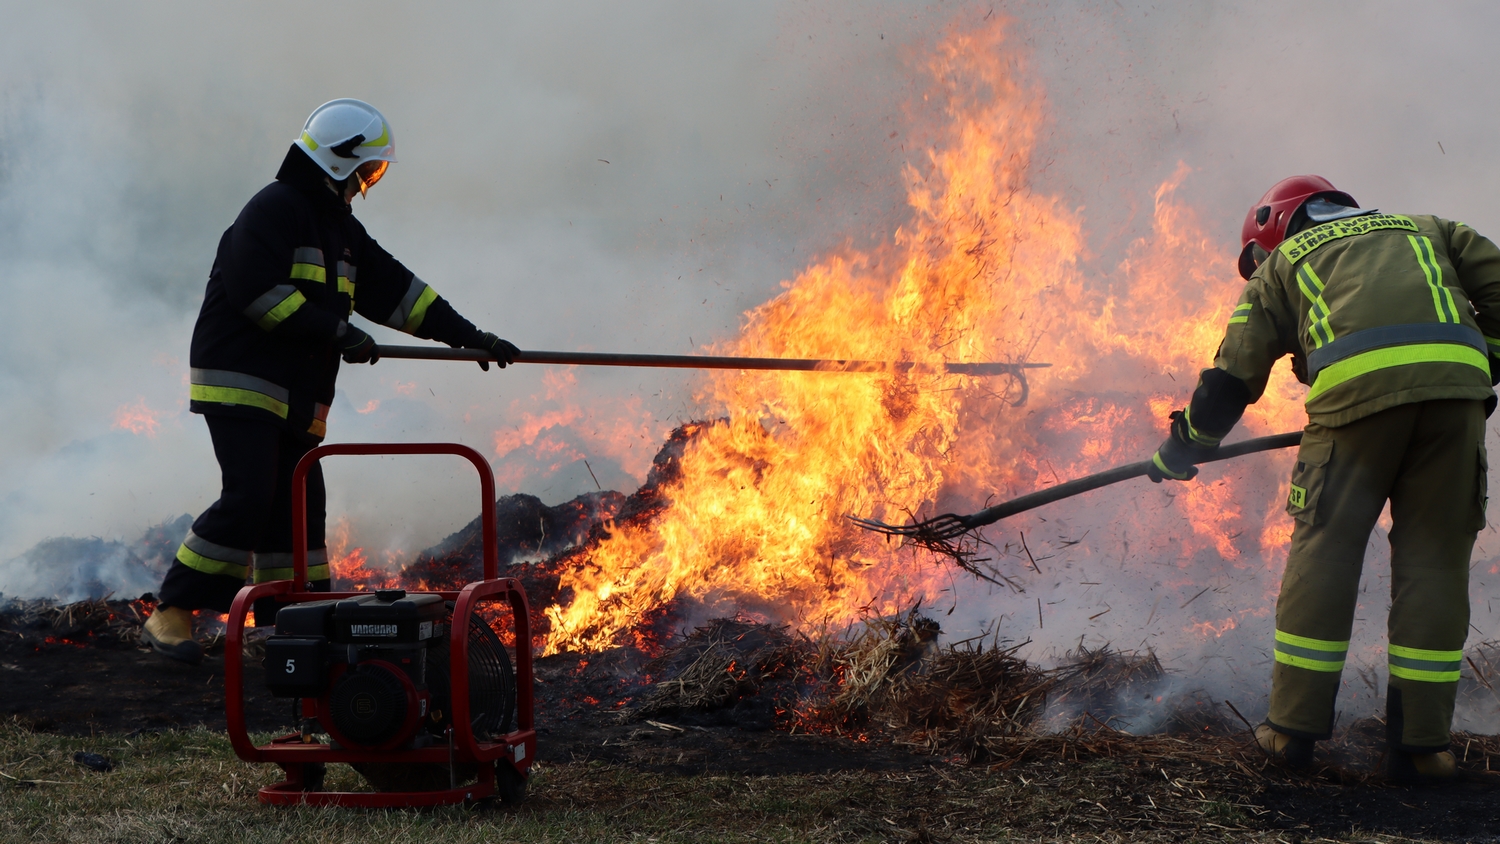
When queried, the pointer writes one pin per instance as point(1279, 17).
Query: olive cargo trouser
point(1428, 459)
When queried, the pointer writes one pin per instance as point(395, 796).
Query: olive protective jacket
point(289, 272)
point(1376, 311)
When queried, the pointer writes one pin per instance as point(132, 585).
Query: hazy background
point(740, 140)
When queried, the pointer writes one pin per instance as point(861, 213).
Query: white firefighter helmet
point(341, 135)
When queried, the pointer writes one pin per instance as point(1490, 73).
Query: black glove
point(1174, 460)
point(356, 346)
point(504, 350)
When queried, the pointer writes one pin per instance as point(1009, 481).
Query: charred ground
point(679, 718)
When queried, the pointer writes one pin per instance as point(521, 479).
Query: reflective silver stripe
point(1426, 664)
point(348, 270)
point(214, 551)
point(1311, 653)
point(238, 381)
point(273, 559)
point(320, 412)
point(1391, 335)
point(402, 314)
point(283, 559)
point(307, 255)
point(270, 299)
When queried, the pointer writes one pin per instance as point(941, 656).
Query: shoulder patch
point(1299, 247)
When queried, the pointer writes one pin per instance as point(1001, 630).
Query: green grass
point(189, 787)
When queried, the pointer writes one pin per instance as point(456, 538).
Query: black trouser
point(251, 523)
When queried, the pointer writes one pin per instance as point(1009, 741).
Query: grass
point(189, 787)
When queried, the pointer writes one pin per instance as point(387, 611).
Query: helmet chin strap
point(342, 189)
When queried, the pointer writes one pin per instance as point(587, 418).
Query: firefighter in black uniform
point(266, 351)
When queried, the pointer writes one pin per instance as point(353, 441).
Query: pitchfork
point(938, 532)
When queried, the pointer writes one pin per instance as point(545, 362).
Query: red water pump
point(414, 690)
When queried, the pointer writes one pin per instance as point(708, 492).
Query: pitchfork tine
point(945, 526)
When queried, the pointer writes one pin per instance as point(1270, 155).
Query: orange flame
point(138, 418)
point(987, 268)
point(1215, 629)
point(350, 567)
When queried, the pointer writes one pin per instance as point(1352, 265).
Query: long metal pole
point(938, 531)
point(990, 515)
point(707, 361)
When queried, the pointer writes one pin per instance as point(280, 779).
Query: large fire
point(986, 268)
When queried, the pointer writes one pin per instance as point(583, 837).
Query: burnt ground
point(65, 688)
point(1119, 782)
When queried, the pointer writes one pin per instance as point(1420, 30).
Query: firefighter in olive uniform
point(1393, 322)
point(266, 350)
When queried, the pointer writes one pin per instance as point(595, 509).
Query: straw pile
point(98, 621)
point(718, 665)
point(888, 676)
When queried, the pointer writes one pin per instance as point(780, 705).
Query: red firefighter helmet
point(1265, 224)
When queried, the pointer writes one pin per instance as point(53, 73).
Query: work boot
point(1421, 768)
point(1295, 752)
point(169, 631)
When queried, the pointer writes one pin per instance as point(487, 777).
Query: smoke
point(599, 176)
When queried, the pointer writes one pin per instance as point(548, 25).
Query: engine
point(378, 667)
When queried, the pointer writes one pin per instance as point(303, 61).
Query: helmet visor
point(369, 173)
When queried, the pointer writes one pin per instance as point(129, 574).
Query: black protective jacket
point(289, 272)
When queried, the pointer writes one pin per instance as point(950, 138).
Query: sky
point(606, 177)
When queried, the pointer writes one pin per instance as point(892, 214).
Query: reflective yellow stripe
point(346, 286)
point(1242, 313)
point(1424, 665)
point(234, 395)
point(1156, 458)
point(1198, 436)
point(1362, 364)
point(322, 572)
point(1423, 675)
point(1295, 661)
point(1441, 295)
point(1493, 343)
point(1311, 654)
point(309, 272)
point(288, 306)
point(1431, 656)
point(1313, 644)
point(385, 137)
point(197, 562)
point(419, 310)
point(318, 428)
point(1316, 319)
point(307, 139)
